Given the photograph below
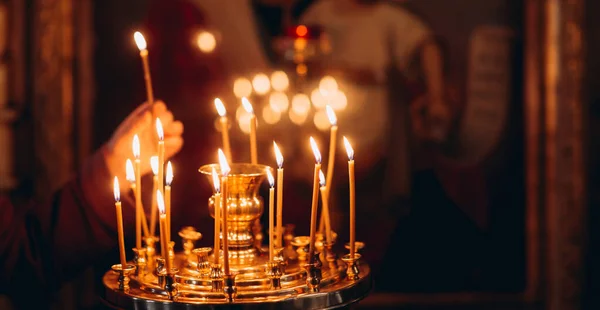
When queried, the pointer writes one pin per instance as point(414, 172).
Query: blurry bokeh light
point(270, 116)
point(328, 85)
point(206, 41)
point(297, 118)
point(301, 104)
point(242, 87)
point(279, 81)
point(318, 100)
point(339, 102)
point(321, 121)
point(279, 101)
point(261, 84)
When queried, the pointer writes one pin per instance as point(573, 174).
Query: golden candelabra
point(290, 280)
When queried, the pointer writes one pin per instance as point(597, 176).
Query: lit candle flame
point(159, 130)
point(169, 174)
point(315, 149)
point(220, 107)
point(247, 106)
point(160, 202)
point(278, 155)
point(216, 182)
point(331, 115)
point(349, 149)
point(223, 163)
point(135, 145)
point(321, 178)
point(116, 190)
point(139, 40)
point(129, 173)
point(270, 178)
point(154, 164)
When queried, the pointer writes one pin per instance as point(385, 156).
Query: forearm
point(49, 242)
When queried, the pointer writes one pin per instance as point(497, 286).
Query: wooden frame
point(555, 180)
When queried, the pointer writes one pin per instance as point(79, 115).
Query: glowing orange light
point(270, 178)
point(315, 149)
point(278, 155)
point(220, 107)
point(301, 30)
point(135, 145)
point(116, 189)
point(169, 174)
point(321, 178)
point(139, 40)
point(129, 173)
point(349, 149)
point(216, 182)
point(154, 164)
point(331, 115)
point(159, 130)
point(160, 202)
point(223, 163)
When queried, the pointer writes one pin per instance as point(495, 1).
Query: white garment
point(372, 39)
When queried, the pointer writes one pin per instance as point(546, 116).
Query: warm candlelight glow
point(270, 178)
point(220, 107)
point(315, 149)
point(279, 101)
point(135, 145)
point(242, 87)
point(321, 178)
point(247, 105)
point(129, 172)
point(223, 163)
point(301, 104)
point(169, 174)
point(328, 85)
point(331, 115)
point(206, 41)
point(279, 81)
point(159, 130)
point(261, 84)
point(154, 164)
point(139, 40)
point(278, 155)
point(349, 149)
point(216, 181)
point(160, 202)
point(116, 189)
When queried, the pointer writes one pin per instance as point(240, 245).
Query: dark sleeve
point(44, 244)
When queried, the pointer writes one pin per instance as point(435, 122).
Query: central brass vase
point(244, 207)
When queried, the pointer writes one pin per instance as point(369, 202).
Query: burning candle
point(154, 166)
point(161, 154)
point(271, 213)
point(217, 185)
point(350, 152)
point(315, 198)
point(325, 212)
point(135, 145)
point(130, 176)
point(140, 41)
point(119, 212)
point(225, 169)
point(331, 162)
point(249, 109)
point(224, 127)
point(164, 237)
point(168, 181)
point(279, 158)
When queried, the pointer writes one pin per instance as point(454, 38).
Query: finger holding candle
point(119, 212)
point(315, 198)
point(225, 169)
point(168, 181)
point(253, 150)
point(271, 214)
point(279, 159)
point(140, 41)
point(224, 127)
point(350, 152)
point(154, 166)
point(217, 186)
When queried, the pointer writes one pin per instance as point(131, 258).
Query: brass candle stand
point(290, 281)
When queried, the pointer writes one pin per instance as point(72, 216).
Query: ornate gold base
point(253, 289)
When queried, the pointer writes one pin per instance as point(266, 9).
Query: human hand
point(119, 148)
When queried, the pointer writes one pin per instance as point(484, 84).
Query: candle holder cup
point(301, 244)
point(151, 251)
point(313, 273)
point(229, 288)
point(352, 270)
point(274, 272)
point(216, 277)
point(189, 236)
point(139, 260)
point(124, 273)
point(203, 263)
